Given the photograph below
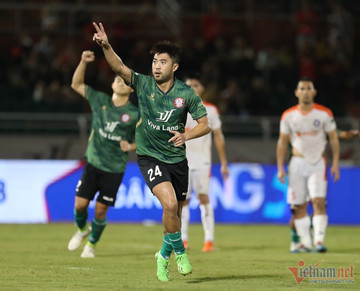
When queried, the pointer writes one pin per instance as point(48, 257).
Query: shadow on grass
point(230, 277)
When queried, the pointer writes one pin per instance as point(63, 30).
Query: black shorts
point(156, 172)
point(94, 180)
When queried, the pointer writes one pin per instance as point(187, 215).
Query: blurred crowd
point(250, 64)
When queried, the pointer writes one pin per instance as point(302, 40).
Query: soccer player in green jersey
point(164, 103)
point(112, 133)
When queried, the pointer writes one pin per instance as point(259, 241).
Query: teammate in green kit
point(164, 103)
point(112, 133)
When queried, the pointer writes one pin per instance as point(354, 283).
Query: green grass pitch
point(247, 257)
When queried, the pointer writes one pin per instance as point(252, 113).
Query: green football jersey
point(109, 124)
point(161, 112)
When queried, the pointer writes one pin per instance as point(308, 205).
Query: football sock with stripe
point(97, 227)
point(81, 219)
point(167, 248)
point(176, 242)
point(294, 236)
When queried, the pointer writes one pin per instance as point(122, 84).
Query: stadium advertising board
point(43, 191)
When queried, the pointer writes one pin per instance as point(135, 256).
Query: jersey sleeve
point(284, 124)
point(92, 96)
point(139, 81)
point(214, 117)
point(329, 124)
point(196, 107)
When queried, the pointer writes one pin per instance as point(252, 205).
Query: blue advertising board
point(252, 194)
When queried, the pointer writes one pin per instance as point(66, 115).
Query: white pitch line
point(77, 268)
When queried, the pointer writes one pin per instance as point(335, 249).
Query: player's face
point(119, 87)
point(305, 92)
point(196, 85)
point(163, 68)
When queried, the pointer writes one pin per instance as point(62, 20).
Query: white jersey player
point(306, 126)
point(198, 153)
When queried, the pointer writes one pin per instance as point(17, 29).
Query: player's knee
point(101, 210)
point(204, 199)
point(80, 206)
point(298, 211)
point(171, 207)
point(319, 206)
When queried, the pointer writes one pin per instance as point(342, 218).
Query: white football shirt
point(308, 131)
point(198, 150)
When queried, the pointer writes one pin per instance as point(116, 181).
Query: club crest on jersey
point(316, 123)
point(179, 102)
point(125, 117)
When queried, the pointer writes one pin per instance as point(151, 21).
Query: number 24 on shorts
point(154, 172)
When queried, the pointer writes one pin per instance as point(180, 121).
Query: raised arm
point(78, 79)
point(219, 141)
point(281, 150)
point(112, 58)
point(350, 134)
point(335, 148)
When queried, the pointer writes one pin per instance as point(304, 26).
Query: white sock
point(208, 221)
point(320, 223)
point(302, 226)
point(185, 218)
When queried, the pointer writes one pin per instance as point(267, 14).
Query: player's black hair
point(165, 46)
point(193, 75)
point(305, 79)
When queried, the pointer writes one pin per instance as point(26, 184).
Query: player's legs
point(165, 193)
point(85, 192)
point(200, 181)
point(294, 237)
point(169, 183)
point(185, 215)
point(317, 189)
point(208, 222)
point(296, 197)
point(185, 220)
point(302, 224)
point(108, 184)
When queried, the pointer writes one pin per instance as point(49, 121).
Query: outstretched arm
point(78, 83)
point(220, 148)
point(112, 58)
point(343, 134)
point(281, 150)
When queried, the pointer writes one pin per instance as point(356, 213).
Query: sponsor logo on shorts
point(110, 199)
point(184, 194)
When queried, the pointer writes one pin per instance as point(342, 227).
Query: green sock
point(81, 219)
point(176, 242)
point(294, 236)
point(166, 249)
point(97, 226)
